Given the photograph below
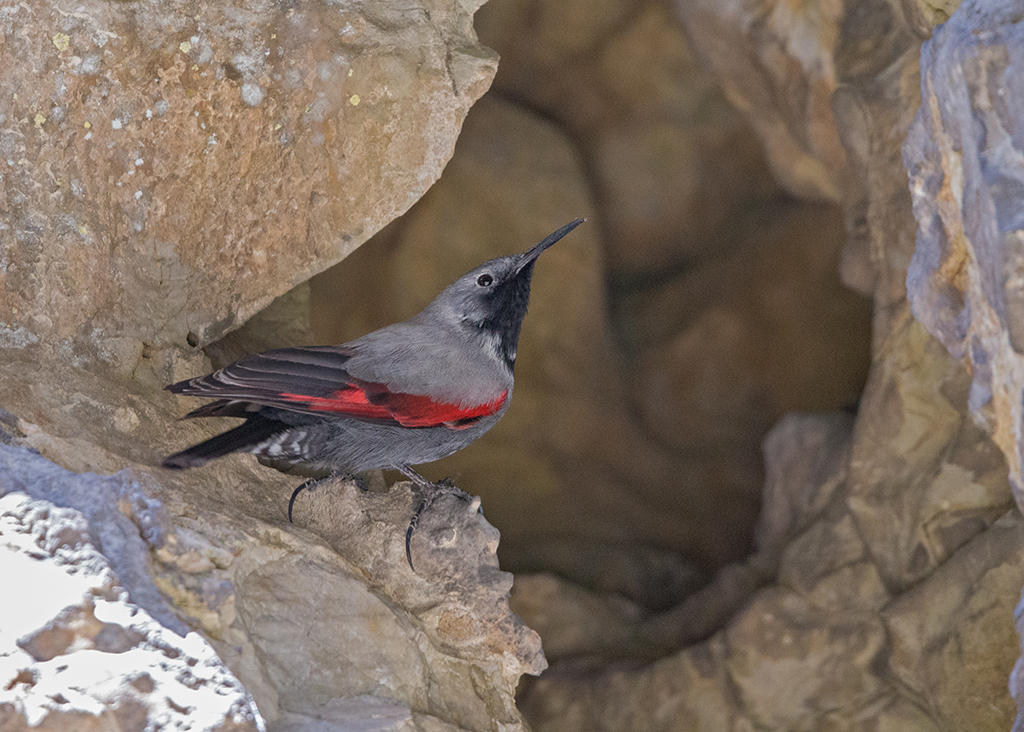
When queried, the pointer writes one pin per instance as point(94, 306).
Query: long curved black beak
point(528, 257)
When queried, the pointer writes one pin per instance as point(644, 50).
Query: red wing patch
point(373, 401)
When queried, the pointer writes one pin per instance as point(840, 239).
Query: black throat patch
point(507, 308)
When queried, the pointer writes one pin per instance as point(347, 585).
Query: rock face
point(783, 80)
point(151, 145)
point(827, 643)
point(78, 648)
point(322, 624)
point(964, 281)
point(962, 156)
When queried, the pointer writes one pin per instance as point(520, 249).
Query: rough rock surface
point(825, 645)
point(78, 649)
point(962, 155)
point(236, 148)
point(964, 282)
point(783, 79)
point(323, 620)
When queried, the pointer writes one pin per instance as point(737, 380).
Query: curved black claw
point(291, 501)
point(429, 492)
point(307, 485)
point(420, 508)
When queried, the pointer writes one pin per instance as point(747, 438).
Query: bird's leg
point(415, 477)
point(426, 491)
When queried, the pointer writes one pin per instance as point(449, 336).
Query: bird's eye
point(484, 280)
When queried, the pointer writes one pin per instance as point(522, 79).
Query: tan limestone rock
point(168, 170)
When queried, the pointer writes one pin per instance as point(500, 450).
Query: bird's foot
point(311, 484)
point(413, 523)
point(429, 492)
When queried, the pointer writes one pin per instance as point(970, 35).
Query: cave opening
point(699, 305)
point(694, 324)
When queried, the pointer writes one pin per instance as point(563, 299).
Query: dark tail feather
point(252, 432)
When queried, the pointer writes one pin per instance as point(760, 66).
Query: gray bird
point(410, 393)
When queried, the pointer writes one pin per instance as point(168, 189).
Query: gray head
point(492, 299)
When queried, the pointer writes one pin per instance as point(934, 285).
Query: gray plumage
point(407, 394)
